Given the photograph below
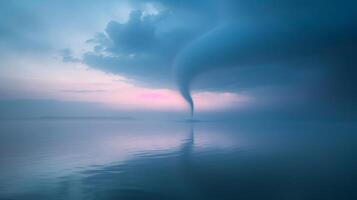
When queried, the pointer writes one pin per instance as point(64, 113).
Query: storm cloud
point(300, 49)
point(289, 56)
point(144, 47)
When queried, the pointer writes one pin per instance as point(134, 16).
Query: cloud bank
point(289, 56)
point(301, 49)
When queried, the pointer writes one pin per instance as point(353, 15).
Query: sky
point(220, 58)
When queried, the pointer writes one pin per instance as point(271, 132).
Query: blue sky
point(240, 56)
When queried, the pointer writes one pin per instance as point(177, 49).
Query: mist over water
point(89, 110)
point(113, 159)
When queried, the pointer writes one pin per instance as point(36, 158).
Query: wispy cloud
point(83, 91)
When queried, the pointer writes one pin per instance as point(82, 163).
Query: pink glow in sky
point(76, 83)
point(153, 96)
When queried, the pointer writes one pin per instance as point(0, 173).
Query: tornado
point(201, 55)
point(238, 45)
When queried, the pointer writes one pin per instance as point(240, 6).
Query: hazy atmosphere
point(218, 87)
point(278, 58)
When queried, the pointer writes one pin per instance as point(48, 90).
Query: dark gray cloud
point(296, 54)
point(302, 49)
point(277, 44)
point(144, 47)
point(134, 37)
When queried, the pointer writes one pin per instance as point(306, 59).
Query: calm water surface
point(104, 159)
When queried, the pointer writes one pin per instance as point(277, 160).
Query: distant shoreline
point(67, 118)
